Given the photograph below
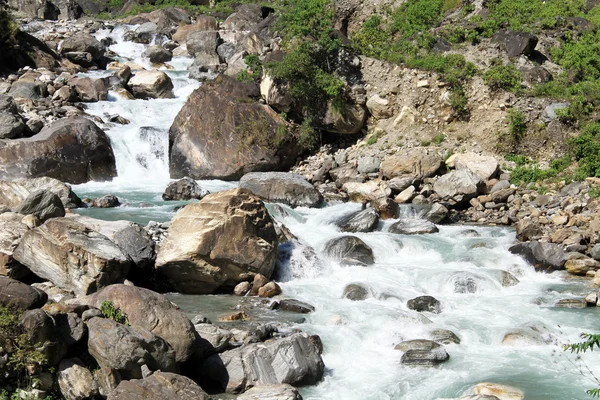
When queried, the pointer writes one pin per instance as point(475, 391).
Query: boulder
point(223, 133)
point(368, 165)
point(151, 85)
point(425, 303)
point(184, 189)
point(516, 43)
point(226, 238)
point(203, 23)
point(14, 192)
point(11, 126)
point(40, 330)
point(203, 42)
point(282, 187)
point(261, 364)
point(362, 221)
point(581, 266)
point(349, 250)
point(345, 117)
point(246, 18)
point(296, 306)
point(72, 150)
point(528, 230)
point(17, 294)
point(151, 311)
point(127, 348)
point(89, 90)
point(157, 54)
point(483, 166)
point(377, 193)
point(356, 292)
point(549, 113)
point(106, 201)
point(83, 43)
point(379, 107)
point(205, 66)
point(42, 204)
point(413, 227)
point(417, 163)
point(436, 214)
point(502, 392)
point(425, 358)
point(459, 186)
point(72, 256)
point(75, 381)
point(543, 256)
point(275, 94)
point(271, 392)
point(12, 230)
point(417, 344)
point(159, 386)
point(444, 336)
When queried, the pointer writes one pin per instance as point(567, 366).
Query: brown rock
point(271, 289)
point(418, 162)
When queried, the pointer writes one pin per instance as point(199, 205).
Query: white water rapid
point(462, 266)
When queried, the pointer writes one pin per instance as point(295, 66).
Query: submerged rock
point(349, 250)
point(444, 336)
point(356, 292)
point(413, 227)
point(502, 392)
point(361, 221)
point(425, 358)
point(425, 303)
point(184, 189)
point(293, 305)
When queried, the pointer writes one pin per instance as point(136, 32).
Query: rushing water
point(359, 337)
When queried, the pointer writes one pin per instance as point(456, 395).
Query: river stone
point(417, 163)
point(361, 221)
point(459, 186)
point(42, 204)
point(356, 292)
point(159, 386)
point(128, 348)
point(572, 303)
point(157, 54)
point(349, 250)
point(222, 132)
point(203, 23)
point(17, 294)
point(71, 150)
point(226, 238)
point(11, 125)
point(218, 338)
point(502, 392)
point(413, 227)
point(89, 90)
point(425, 303)
point(376, 192)
point(581, 266)
point(294, 360)
point(203, 42)
point(75, 381)
point(152, 311)
point(271, 392)
point(523, 337)
point(94, 261)
point(184, 189)
point(543, 256)
point(483, 166)
point(444, 336)
point(151, 85)
point(14, 192)
point(417, 344)
point(83, 43)
point(436, 214)
point(296, 306)
point(282, 187)
point(463, 282)
point(425, 358)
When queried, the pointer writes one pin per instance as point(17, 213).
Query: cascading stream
point(461, 266)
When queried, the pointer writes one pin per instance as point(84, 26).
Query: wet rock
point(507, 279)
point(296, 306)
point(267, 392)
point(201, 151)
point(75, 380)
point(436, 214)
point(151, 85)
point(127, 348)
point(96, 261)
point(241, 288)
point(349, 250)
point(159, 386)
point(581, 266)
point(418, 163)
point(106, 201)
point(543, 256)
point(375, 192)
point(572, 303)
point(202, 240)
point(425, 358)
point(425, 303)
point(271, 289)
point(157, 54)
point(43, 205)
point(527, 336)
point(258, 282)
point(184, 189)
point(259, 364)
point(458, 186)
point(417, 344)
point(413, 227)
point(361, 221)
point(17, 294)
point(444, 336)
point(356, 292)
point(70, 150)
point(502, 392)
point(282, 187)
point(464, 282)
point(152, 311)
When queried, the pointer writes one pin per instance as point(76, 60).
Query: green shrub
point(518, 159)
point(506, 77)
point(306, 136)
point(516, 123)
point(586, 150)
point(526, 174)
point(438, 139)
point(110, 311)
point(459, 103)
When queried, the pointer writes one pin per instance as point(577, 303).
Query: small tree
point(590, 342)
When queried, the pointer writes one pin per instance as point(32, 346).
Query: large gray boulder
point(72, 150)
point(516, 43)
point(458, 187)
point(226, 238)
point(151, 85)
point(349, 250)
point(413, 227)
point(127, 348)
point(294, 360)
point(246, 18)
point(83, 43)
point(42, 204)
point(72, 256)
point(282, 187)
point(203, 42)
point(89, 90)
point(159, 386)
point(184, 189)
point(152, 311)
point(543, 256)
point(362, 221)
point(17, 294)
point(11, 126)
point(14, 192)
